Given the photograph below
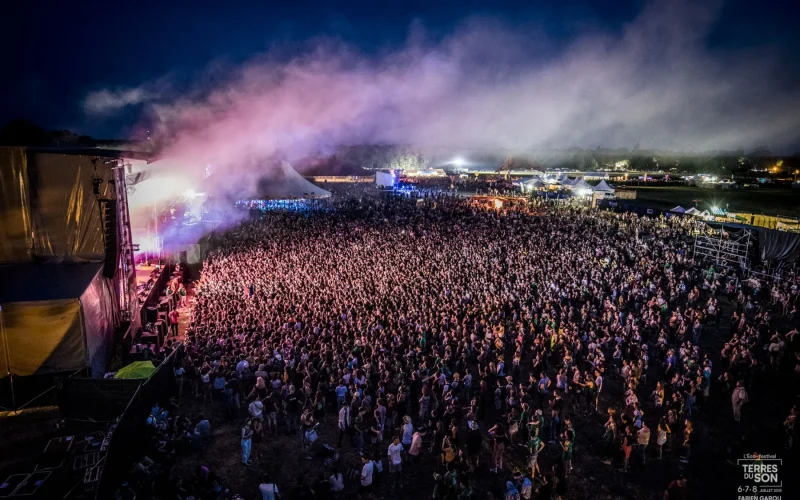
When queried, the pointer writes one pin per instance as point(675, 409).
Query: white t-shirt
point(394, 453)
point(408, 433)
point(256, 408)
point(366, 474)
point(268, 491)
point(337, 482)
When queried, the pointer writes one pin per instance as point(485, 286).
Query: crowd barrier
point(125, 443)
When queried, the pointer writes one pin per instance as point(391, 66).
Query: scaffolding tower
point(727, 249)
point(129, 303)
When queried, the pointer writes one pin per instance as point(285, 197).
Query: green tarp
point(137, 369)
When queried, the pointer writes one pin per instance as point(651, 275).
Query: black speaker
point(110, 238)
point(151, 315)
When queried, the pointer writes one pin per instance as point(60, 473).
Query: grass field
point(769, 201)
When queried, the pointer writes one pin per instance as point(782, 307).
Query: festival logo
point(761, 477)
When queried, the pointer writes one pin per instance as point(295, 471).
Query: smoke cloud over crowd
point(490, 85)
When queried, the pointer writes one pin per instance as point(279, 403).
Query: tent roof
point(533, 181)
point(581, 184)
point(679, 209)
point(603, 186)
point(34, 282)
point(285, 183)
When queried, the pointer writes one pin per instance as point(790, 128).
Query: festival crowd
point(465, 344)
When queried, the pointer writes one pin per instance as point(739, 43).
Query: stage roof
point(32, 282)
point(100, 152)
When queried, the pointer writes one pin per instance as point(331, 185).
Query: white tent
point(679, 210)
point(285, 183)
point(603, 187)
point(581, 184)
point(531, 184)
point(551, 181)
point(693, 211)
point(534, 181)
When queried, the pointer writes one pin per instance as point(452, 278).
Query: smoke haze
point(487, 85)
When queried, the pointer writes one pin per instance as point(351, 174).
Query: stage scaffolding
point(129, 305)
point(727, 249)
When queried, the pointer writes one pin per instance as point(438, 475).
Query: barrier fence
point(126, 439)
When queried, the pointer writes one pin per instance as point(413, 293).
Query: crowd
point(466, 341)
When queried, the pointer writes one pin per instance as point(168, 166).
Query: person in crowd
point(268, 489)
point(395, 454)
point(336, 481)
point(415, 451)
point(738, 398)
point(367, 473)
point(642, 440)
point(174, 320)
point(247, 441)
point(535, 446)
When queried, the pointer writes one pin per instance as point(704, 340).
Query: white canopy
point(581, 184)
point(529, 184)
point(603, 187)
point(564, 179)
point(679, 209)
point(535, 182)
point(692, 211)
point(287, 184)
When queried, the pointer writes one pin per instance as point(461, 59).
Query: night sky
point(54, 53)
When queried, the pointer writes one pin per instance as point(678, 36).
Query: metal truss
point(723, 248)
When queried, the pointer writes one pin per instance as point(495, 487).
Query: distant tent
point(552, 181)
point(531, 184)
point(285, 183)
point(535, 182)
point(137, 369)
point(565, 180)
point(279, 181)
point(693, 211)
point(678, 210)
point(603, 187)
point(581, 184)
